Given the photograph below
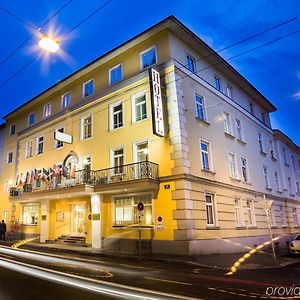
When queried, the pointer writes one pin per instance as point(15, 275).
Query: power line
point(32, 35)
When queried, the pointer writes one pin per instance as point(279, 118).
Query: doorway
point(78, 219)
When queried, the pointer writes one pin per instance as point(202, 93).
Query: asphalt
point(255, 261)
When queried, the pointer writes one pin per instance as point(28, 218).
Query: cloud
point(296, 96)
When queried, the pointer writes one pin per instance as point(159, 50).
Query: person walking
point(2, 230)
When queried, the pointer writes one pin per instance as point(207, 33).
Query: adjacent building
point(161, 120)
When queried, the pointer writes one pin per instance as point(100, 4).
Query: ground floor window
point(126, 212)
point(30, 214)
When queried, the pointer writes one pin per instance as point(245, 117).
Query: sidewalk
point(260, 260)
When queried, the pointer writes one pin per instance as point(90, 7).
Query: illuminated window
point(9, 157)
point(210, 210)
point(148, 58)
point(88, 88)
point(200, 107)
point(31, 118)
point(47, 110)
point(59, 144)
point(65, 100)
point(191, 63)
point(12, 129)
point(116, 115)
point(86, 127)
point(115, 74)
point(4, 215)
point(28, 150)
point(40, 145)
point(250, 212)
point(238, 212)
point(139, 106)
point(30, 214)
point(126, 213)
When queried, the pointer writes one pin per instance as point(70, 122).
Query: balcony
point(132, 176)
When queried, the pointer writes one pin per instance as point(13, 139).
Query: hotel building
point(194, 145)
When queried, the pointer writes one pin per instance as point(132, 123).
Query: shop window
point(30, 214)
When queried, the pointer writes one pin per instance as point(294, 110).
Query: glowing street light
point(49, 44)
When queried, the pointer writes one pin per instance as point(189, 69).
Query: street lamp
point(49, 44)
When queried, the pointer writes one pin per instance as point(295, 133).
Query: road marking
point(169, 281)
point(111, 288)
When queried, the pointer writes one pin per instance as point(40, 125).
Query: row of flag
point(44, 174)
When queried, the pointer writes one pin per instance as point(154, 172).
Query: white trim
point(111, 155)
point(252, 212)
point(141, 59)
point(111, 118)
point(37, 145)
point(83, 88)
point(187, 54)
point(44, 116)
point(236, 169)
point(113, 68)
point(26, 149)
point(82, 129)
point(247, 170)
point(210, 156)
point(133, 106)
point(61, 101)
point(55, 141)
point(28, 117)
point(82, 157)
point(214, 210)
point(205, 118)
point(241, 214)
point(134, 147)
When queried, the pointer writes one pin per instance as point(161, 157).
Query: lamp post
point(267, 206)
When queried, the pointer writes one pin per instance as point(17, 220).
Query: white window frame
point(188, 56)
point(10, 154)
point(82, 138)
point(266, 177)
point(209, 155)
point(111, 114)
point(135, 149)
point(246, 167)
point(238, 211)
point(229, 90)
point(37, 145)
point(227, 122)
point(213, 206)
point(32, 113)
point(250, 213)
point(83, 88)
point(10, 129)
point(56, 143)
point(283, 215)
point(47, 112)
point(112, 158)
point(202, 105)
point(27, 149)
point(141, 57)
point(111, 70)
point(233, 169)
point(239, 129)
point(217, 78)
point(133, 107)
point(62, 100)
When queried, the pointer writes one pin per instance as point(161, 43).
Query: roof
point(173, 24)
point(282, 136)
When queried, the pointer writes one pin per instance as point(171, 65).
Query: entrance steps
point(72, 240)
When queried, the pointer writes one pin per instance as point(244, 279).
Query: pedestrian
point(2, 230)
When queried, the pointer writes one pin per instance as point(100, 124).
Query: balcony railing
point(129, 172)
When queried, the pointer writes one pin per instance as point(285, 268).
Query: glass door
point(78, 218)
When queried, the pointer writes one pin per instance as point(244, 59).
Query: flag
point(28, 178)
point(65, 171)
point(50, 171)
point(73, 171)
point(17, 180)
point(56, 170)
point(32, 176)
point(45, 174)
point(22, 179)
point(36, 176)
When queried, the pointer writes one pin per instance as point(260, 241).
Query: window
point(260, 142)
point(116, 115)
point(28, 150)
point(12, 129)
point(290, 185)
point(115, 74)
point(277, 182)
point(272, 150)
point(239, 130)
point(9, 157)
point(65, 100)
point(4, 215)
point(205, 156)
point(148, 58)
point(88, 88)
point(125, 210)
point(295, 216)
point(141, 151)
point(266, 176)
point(86, 127)
point(47, 110)
point(210, 210)
point(284, 156)
point(293, 162)
point(30, 214)
point(227, 122)
point(59, 144)
point(200, 107)
point(250, 212)
point(297, 188)
point(272, 216)
point(118, 161)
point(244, 166)
point(282, 215)
point(232, 165)
point(191, 63)
point(229, 91)
point(218, 83)
point(7, 186)
point(139, 108)
point(31, 118)
point(263, 117)
point(251, 108)
point(238, 212)
point(40, 145)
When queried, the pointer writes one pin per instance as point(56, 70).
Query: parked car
point(295, 245)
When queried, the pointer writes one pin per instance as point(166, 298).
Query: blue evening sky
point(274, 69)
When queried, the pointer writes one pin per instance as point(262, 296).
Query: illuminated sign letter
point(156, 104)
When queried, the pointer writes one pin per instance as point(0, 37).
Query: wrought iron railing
point(129, 172)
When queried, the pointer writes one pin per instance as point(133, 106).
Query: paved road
point(67, 276)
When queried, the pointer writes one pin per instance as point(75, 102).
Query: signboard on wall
point(63, 137)
point(156, 104)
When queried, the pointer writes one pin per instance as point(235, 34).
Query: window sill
point(229, 135)
point(247, 182)
point(208, 171)
point(252, 227)
point(203, 121)
point(212, 227)
point(38, 154)
point(82, 140)
point(241, 227)
point(87, 96)
point(286, 164)
point(274, 226)
point(241, 141)
point(115, 129)
point(135, 122)
point(235, 179)
point(268, 189)
point(292, 195)
point(30, 225)
point(57, 148)
point(284, 226)
point(263, 153)
point(273, 158)
point(279, 192)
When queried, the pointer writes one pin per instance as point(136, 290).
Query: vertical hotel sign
point(156, 104)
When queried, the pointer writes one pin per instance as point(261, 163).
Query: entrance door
point(78, 215)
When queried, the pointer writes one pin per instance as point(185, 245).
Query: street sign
point(140, 206)
point(159, 225)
